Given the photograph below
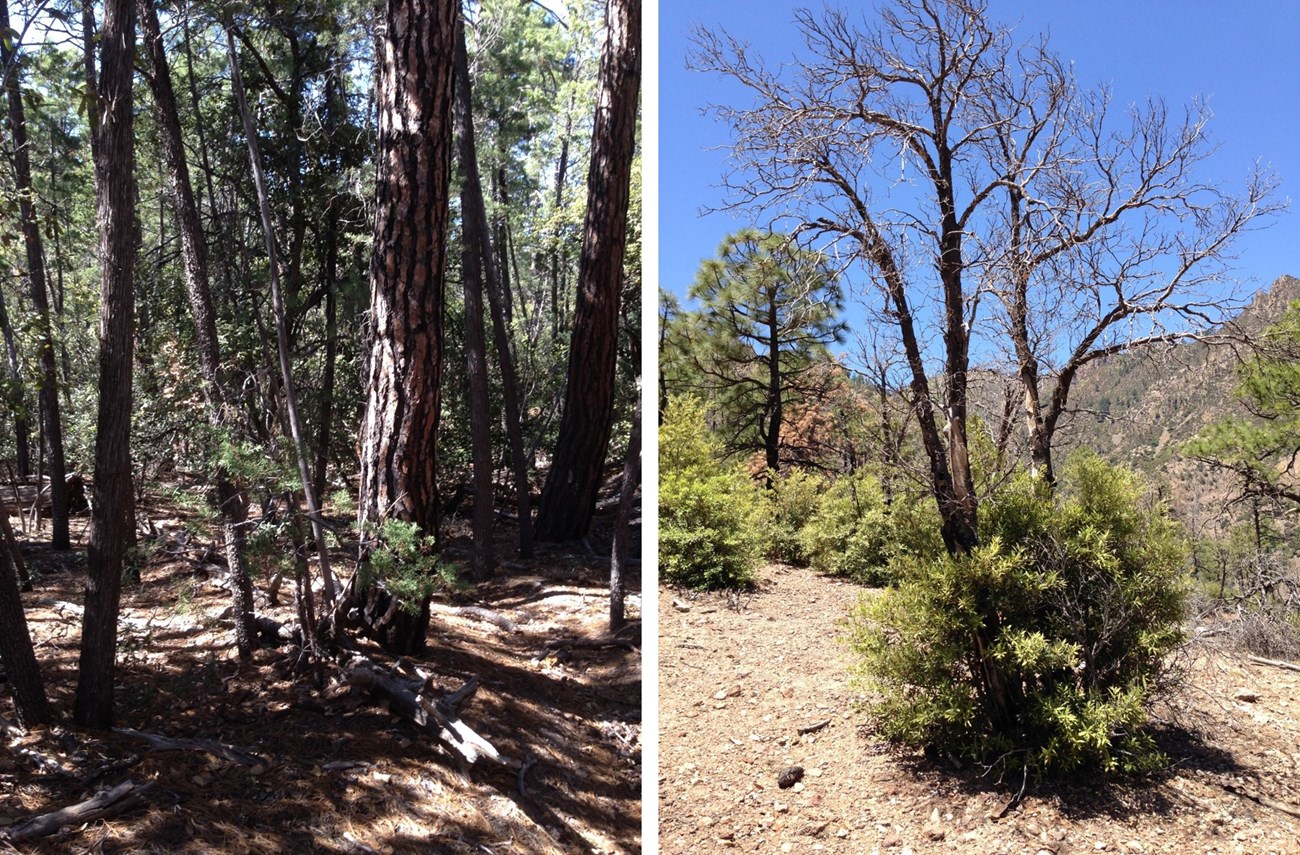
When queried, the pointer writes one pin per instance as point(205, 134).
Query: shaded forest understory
point(333, 770)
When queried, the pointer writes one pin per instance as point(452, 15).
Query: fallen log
point(439, 717)
point(102, 805)
point(1276, 663)
point(497, 619)
point(21, 496)
point(233, 753)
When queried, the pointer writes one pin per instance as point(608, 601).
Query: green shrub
point(712, 517)
point(856, 533)
point(1040, 649)
point(795, 498)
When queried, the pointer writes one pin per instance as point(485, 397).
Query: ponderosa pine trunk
point(51, 418)
point(115, 206)
point(473, 237)
point(569, 497)
point(407, 282)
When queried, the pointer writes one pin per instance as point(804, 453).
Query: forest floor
point(341, 774)
point(740, 675)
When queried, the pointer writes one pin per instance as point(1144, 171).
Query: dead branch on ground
point(104, 804)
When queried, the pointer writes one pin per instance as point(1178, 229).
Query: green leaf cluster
point(711, 515)
point(858, 533)
point(1041, 648)
point(796, 497)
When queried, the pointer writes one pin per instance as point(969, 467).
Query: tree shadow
point(1089, 793)
point(343, 774)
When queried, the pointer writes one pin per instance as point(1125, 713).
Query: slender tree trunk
point(232, 504)
point(281, 330)
point(325, 418)
point(569, 497)
point(51, 419)
point(622, 526)
point(115, 197)
point(772, 436)
point(17, 397)
point(561, 174)
point(407, 282)
point(16, 653)
point(88, 74)
point(474, 213)
point(473, 240)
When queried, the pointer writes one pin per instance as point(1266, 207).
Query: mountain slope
point(1139, 408)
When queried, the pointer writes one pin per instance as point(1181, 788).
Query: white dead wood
point(104, 804)
point(1276, 663)
point(440, 717)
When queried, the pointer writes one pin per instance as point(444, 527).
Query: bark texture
point(569, 497)
point(115, 205)
point(16, 655)
point(473, 260)
point(407, 282)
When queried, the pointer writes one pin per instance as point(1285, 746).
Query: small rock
point(780, 807)
point(1099, 845)
point(680, 606)
point(798, 788)
point(787, 847)
point(814, 829)
point(789, 776)
point(815, 772)
point(891, 841)
point(1248, 696)
point(841, 833)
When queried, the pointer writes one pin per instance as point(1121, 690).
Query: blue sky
point(1241, 57)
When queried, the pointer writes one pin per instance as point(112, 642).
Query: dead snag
point(440, 717)
point(106, 803)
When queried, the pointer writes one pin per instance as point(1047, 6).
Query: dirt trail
point(740, 676)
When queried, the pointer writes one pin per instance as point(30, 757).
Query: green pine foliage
point(1257, 447)
point(1041, 649)
point(403, 558)
point(711, 515)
